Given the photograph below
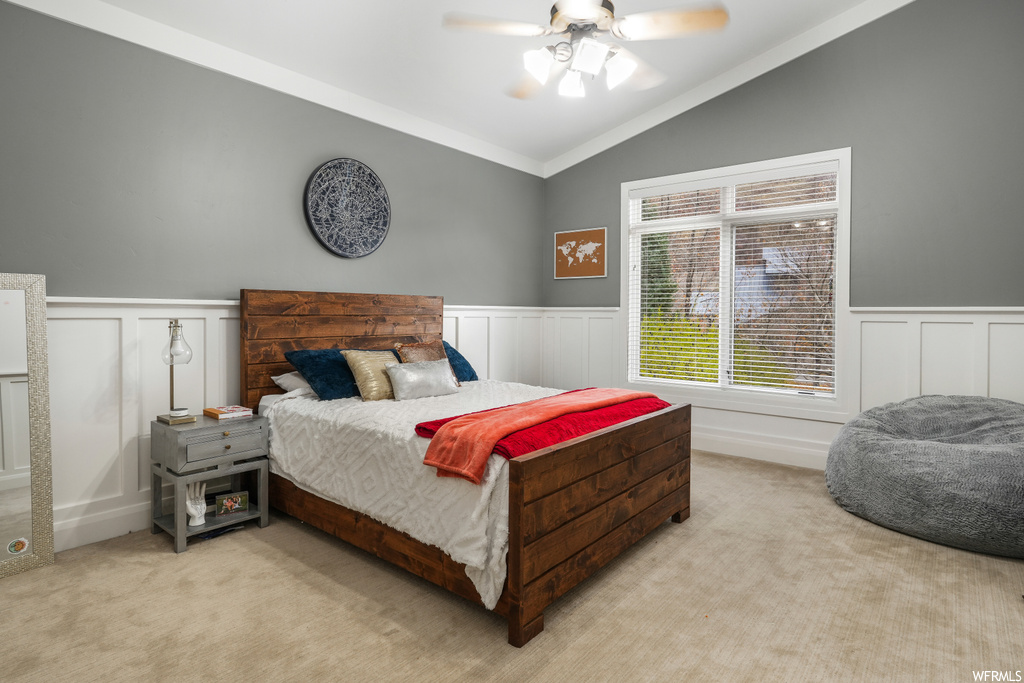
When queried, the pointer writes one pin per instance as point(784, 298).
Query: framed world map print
point(347, 208)
point(581, 253)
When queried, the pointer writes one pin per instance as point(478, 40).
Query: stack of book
point(227, 412)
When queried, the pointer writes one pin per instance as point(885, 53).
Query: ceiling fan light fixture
point(538, 63)
point(572, 85)
point(589, 56)
point(577, 23)
point(619, 68)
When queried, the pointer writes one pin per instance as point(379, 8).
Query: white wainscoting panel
point(565, 348)
point(885, 376)
point(1006, 361)
point(85, 367)
point(549, 354)
point(580, 348)
point(914, 352)
point(531, 349)
point(471, 335)
point(562, 348)
point(947, 358)
point(107, 382)
point(602, 356)
point(570, 360)
point(503, 351)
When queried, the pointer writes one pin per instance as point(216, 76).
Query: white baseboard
point(99, 526)
point(772, 448)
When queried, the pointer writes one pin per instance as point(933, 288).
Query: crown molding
point(118, 23)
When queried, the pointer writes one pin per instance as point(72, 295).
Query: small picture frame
point(230, 503)
point(581, 253)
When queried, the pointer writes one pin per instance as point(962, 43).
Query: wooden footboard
point(366, 533)
point(576, 506)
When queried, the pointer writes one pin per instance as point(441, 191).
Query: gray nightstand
point(203, 450)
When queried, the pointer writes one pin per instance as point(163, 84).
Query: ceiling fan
point(581, 23)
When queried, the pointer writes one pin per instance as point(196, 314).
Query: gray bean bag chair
point(948, 469)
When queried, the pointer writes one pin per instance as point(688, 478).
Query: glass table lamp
point(176, 352)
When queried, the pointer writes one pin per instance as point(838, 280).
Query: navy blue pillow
point(464, 372)
point(326, 371)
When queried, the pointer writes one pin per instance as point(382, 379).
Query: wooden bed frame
point(573, 507)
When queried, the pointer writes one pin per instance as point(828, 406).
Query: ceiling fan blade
point(669, 23)
point(469, 22)
point(528, 87)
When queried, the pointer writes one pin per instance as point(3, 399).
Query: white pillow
point(291, 381)
point(419, 380)
point(267, 402)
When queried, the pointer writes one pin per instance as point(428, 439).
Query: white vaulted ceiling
point(390, 61)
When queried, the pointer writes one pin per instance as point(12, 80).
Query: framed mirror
point(26, 491)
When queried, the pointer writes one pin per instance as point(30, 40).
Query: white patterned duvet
point(366, 456)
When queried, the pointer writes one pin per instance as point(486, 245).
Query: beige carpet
point(767, 581)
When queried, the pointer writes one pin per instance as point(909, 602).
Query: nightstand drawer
point(206, 443)
point(224, 445)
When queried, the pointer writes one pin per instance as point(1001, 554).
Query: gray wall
point(128, 173)
point(930, 98)
point(124, 172)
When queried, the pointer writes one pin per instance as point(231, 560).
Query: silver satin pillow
point(419, 380)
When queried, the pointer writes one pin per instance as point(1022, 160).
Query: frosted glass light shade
point(538, 63)
point(572, 85)
point(619, 68)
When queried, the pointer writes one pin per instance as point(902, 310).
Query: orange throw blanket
point(461, 447)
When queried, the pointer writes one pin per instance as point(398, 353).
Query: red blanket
point(468, 440)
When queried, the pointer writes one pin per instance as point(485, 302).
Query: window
point(732, 276)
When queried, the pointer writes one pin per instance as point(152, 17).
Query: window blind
point(706, 202)
point(783, 325)
point(679, 311)
point(810, 189)
point(719, 295)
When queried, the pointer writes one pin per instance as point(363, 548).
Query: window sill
point(819, 408)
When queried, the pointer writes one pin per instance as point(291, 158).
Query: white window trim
point(837, 408)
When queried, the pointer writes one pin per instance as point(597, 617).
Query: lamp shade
point(538, 63)
point(177, 351)
point(618, 69)
point(571, 85)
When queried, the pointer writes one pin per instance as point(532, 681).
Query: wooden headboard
point(276, 321)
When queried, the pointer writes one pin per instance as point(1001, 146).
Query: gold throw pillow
point(370, 370)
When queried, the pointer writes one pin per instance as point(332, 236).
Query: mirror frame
point(41, 485)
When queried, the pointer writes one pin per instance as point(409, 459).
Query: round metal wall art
point(347, 208)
